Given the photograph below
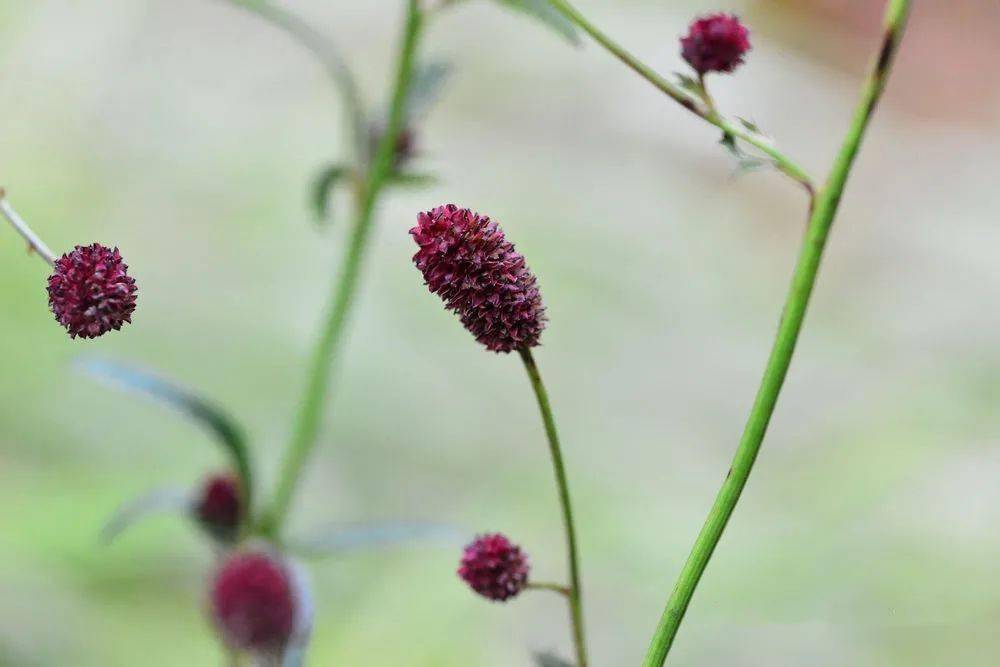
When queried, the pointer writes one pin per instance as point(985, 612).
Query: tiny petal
point(219, 507)
point(467, 261)
point(715, 43)
point(253, 603)
point(90, 291)
point(494, 567)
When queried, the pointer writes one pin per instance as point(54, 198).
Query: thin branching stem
point(324, 358)
point(692, 103)
point(803, 280)
point(35, 243)
point(575, 591)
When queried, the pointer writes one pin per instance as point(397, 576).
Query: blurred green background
point(186, 132)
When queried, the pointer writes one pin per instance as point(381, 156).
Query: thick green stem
point(574, 592)
point(324, 357)
point(690, 102)
point(803, 280)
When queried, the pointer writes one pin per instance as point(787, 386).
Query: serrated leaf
point(750, 125)
point(411, 179)
point(545, 13)
point(690, 84)
point(199, 410)
point(339, 539)
point(425, 89)
point(551, 660)
point(322, 188)
point(157, 501)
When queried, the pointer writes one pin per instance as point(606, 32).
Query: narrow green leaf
point(428, 82)
point(690, 84)
point(411, 179)
point(546, 14)
point(157, 501)
point(339, 539)
point(322, 188)
point(190, 405)
point(551, 660)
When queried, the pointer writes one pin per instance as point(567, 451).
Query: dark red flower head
point(90, 291)
point(467, 261)
point(253, 602)
point(715, 43)
point(494, 567)
point(219, 506)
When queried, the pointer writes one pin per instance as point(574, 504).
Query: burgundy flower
point(494, 567)
point(467, 261)
point(715, 43)
point(90, 291)
point(253, 603)
point(219, 507)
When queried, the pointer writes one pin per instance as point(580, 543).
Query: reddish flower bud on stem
point(90, 291)
point(467, 261)
point(715, 43)
point(220, 506)
point(253, 603)
point(494, 567)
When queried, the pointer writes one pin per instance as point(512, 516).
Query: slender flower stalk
point(803, 280)
point(325, 354)
point(692, 103)
point(574, 592)
point(36, 244)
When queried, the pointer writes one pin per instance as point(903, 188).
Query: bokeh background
point(186, 132)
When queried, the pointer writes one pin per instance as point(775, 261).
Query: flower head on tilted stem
point(90, 291)
point(715, 43)
point(253, 602)
point(467, 261)
point(219, 507)
point(494, 567)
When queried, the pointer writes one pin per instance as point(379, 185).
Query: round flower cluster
point(467, 261)
point(219, 507)
point(253, 603)
point(715, 43)
point(494, 567)
point(90, 291)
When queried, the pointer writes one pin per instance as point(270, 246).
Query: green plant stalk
point(574, 593)
point(803, 280)
point(699, 107)
point(307, 423)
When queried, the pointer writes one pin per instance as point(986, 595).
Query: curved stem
point(35, 243)
point(803, 280)
point(331, 59)
point(574, 592)
point(317, 387)
point(698, 107)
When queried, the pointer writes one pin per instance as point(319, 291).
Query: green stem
point(574, 592)
point(803, 280)
point(696, 106)
point(321, 370)
point(549, 586)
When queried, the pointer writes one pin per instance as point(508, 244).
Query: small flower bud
point(90, 291)
point(467, 261)
point(253, 603)
point(494, 567)
point(219, 507)
point(404, 150)
point(715, 43)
